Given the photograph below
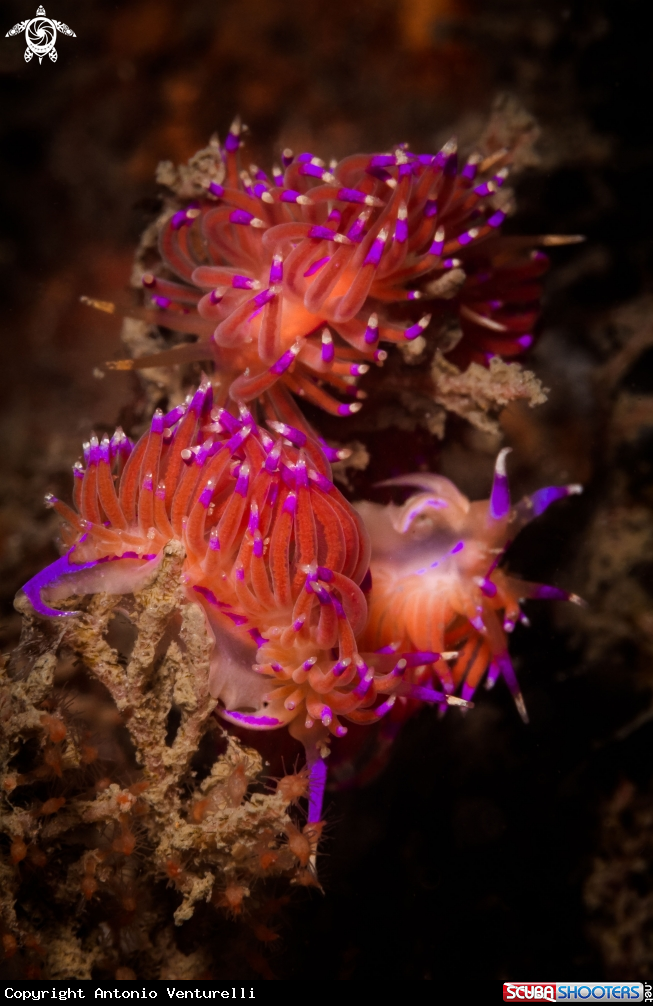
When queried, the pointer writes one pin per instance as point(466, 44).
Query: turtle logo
point(40, 35)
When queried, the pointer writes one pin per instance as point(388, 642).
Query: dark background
point(470, 855)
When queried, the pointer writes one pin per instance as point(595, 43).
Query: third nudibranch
point(437, 585)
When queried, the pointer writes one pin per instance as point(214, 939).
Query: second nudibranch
point(437, 585)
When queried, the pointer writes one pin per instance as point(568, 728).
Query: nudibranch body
point(436, 579)
point(293, 281)
point(273, 553)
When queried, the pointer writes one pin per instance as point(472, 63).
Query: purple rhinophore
point(414, 330)
point(232, 141)
point(158, 423)
point(207, 495)
point(401, 230)
point(375, 252)
point(323, 596)
point(178, 220)
point(330, 453)
point(216, 190)
point(500, 495)
point(277, 174)
point(239, 216)
point(216, 295)
point(470, 170)
point(240, 282)
point(304, 158)
point(257, 637)
point(276, 270)
point(264, 297)
point(309, 663)
point(348, 410)
point(94, 451)
point(372, 330)
point(287, 157)
point(316, 266)
point(525, 341)
point(197, 401)
point(325, 574)
point(301, 476)
point(327, 351)
point(242, 482)
point(421, 657)
point(351, 196)
point(341, 666)
point(298, 623)
point(296, 437)
point(466, 237)
point(322, 233)
point(162, 302)
point(430, 208)
point(382, 161)
point(492, 675)
point(317, 775)
point(424, 694)
point(289, 196)
point(284, 361)
point(312, 170)
point(365, 683)
point(240, 573)
point(357, 230)
point(484, 189)
point(290, 503)
point(382, 175)
point(543, 498)
point(320, 480)
point(271, 463)
point(496, 219)
point(438, 243)
point(227, 421)
point(174, 416)
point(487, 588)
point(385, 707)
point(258, 547)
point(358, 369)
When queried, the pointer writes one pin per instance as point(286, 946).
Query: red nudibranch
point(274, 554)
point(276, 557)
point(292, 282)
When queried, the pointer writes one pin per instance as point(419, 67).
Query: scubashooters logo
point(40, 35)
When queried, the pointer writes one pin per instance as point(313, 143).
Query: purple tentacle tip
point(500, 495)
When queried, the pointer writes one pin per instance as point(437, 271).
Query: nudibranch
point(293, 281)
point(436, 579)
point(274, 554)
